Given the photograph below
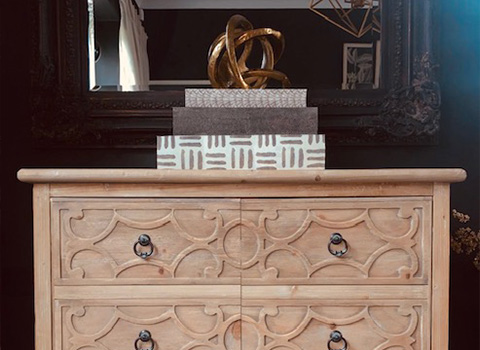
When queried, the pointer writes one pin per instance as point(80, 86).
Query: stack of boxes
point(243, 130)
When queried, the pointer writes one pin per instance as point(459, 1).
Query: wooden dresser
point(251, 260)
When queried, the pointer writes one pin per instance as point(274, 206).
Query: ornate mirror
point(368, 66)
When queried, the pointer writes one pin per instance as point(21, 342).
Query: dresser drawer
point(98, 241)
point(172, 324)
point(224, 325)
point(380, 241)
point(336, 241)
point(358, 325)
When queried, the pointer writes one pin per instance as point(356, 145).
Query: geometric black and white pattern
point(252, 152)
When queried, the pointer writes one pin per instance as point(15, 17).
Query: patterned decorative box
point(253, 152)
point(239, 98)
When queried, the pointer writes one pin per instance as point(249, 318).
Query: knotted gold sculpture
point(226, 70)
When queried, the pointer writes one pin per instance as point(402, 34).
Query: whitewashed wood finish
point(173, 324)
point(344, 292)
point(283, 242)
point(221, 324)
point(181, 292)
point(406, 307)
point(286, 241)
point(154, 176)
point(274, 190)
point(195, 241)
point(441, 263)
point(307, 324)
point(42, 273)
point(257, 292)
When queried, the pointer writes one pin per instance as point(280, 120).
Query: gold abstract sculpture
point(343, 16)
point(226, 70)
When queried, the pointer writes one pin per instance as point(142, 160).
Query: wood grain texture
point(307, 324)
point(147, 292)
point(193, 241)
point(329, 292)
point(109, 190)
point(42, 269)
point(288, 241)
point(283, 242)
point(174, 325)
point(239, 176)
point(441, 266)
point(242, 262)
point(262, 324)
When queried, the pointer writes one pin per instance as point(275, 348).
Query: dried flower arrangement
point(465, 240)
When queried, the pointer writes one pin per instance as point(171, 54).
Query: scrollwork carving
point(172, 326)
point(302, 255)
point(191, 240)
point(413, 111)
point(225, 326)
point(55, 115)
point(276, 244)
point(305, 325)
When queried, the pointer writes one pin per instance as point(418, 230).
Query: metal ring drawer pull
point(144, 241)
point(337, 337)
point(144, 337)
point(335, 240)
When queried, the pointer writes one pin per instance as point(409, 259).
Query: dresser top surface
point(240, 176)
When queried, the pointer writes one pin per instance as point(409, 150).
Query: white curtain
point(134, 68)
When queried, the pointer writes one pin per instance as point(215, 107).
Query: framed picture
point(361, 66)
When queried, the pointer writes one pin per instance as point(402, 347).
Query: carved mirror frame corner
point(405, 110)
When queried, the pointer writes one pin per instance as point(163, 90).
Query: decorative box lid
point(239, 98)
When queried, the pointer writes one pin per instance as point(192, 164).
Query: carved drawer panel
point(257, 325)
point(336, 241)
point(99, 241)
point(172, 325)
point(359, 325)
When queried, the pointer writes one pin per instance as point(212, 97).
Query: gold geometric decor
point(343, 17)
point(226, 70)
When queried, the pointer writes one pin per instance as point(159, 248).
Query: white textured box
point(240, 98)
point(253, 152)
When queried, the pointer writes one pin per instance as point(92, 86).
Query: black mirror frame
point(404, 111)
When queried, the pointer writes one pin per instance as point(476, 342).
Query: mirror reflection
point(141, 45)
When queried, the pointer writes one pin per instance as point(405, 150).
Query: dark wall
point(458, 34)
